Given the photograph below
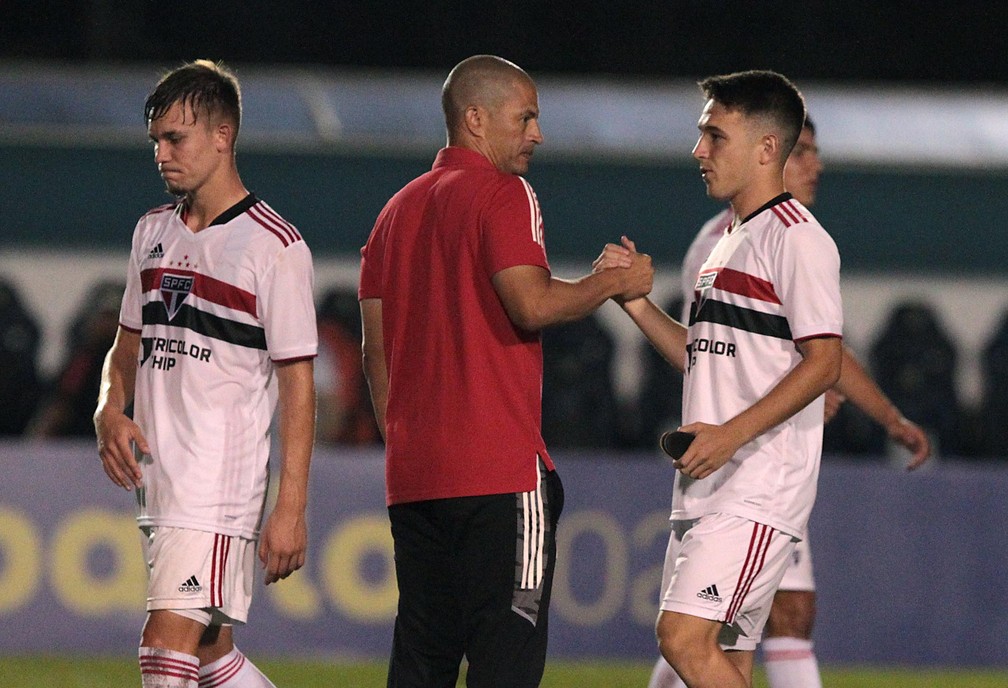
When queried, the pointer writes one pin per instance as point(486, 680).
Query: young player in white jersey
point(217, 330)
point(762, 346)
point(788, 654)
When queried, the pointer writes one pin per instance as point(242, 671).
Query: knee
point(792, 614)
point(677, 641)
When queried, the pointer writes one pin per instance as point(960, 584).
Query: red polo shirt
point(465, 385)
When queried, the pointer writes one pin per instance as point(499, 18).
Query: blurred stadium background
point(341, 108)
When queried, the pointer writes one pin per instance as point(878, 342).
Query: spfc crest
point(174, 290)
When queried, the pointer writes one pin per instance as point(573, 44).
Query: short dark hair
point(205, 86)
point(761, 93)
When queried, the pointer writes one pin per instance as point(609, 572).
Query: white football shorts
point(200, 575)
point(725, 568)
point(798, 576)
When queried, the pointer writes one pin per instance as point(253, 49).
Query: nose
point(535, 132)
point(699, 150)
point(160, 153)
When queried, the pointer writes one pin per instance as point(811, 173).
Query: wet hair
point(205, 87)
point(761, 93)
point(480, 79)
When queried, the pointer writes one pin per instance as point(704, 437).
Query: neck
point(755, 196)
point(207, 203)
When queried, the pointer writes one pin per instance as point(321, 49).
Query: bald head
point(481, 80)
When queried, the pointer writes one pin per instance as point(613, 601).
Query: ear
point(223, 134)
point(769, 149)
point(474, 120)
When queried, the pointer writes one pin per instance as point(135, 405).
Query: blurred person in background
point(788, 654)
point(345, 415)
point(217, 333)
point(20, 386)
point(67, 409)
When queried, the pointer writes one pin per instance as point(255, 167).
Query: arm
point(115, 431)
point(666, 335)
point(714, 445)
point(374, 358)
point(285, 536)
point(857, 386)
point(534, 299)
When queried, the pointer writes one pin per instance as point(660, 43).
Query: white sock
point(161, 668)
point(664, 676)
point(790, 663)
point(233, 670)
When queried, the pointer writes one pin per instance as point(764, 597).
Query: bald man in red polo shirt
point(455, 288)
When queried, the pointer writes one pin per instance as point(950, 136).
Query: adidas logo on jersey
point(156, 252)
point(191, 585)
point(710, 593)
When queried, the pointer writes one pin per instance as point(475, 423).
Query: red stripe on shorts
point(759, 543)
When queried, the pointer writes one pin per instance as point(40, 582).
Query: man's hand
point(283, 543)
point(911, 436)
point(639, 278)
point(116, 435)
point(834, 400)
point(712, 448)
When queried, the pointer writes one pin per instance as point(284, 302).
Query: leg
point(787, 651)
point(664, 676)
point(510, 560)
point(168, 650)
point(690, 645)
point(427, 645)
point(222, 665)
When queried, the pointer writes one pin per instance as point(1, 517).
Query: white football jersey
point(703, 243)
point(215, 309)
point(769, 282)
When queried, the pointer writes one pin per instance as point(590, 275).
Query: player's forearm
point(666, 335)
point(373, 358)
point(818, 370)
point(118, 380)
point(297, 433)
point(858, 387)
point(377, 379)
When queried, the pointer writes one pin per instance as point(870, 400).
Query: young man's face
point(512, 128)
point(186, 149)
point(801, 174)
point(728, 150)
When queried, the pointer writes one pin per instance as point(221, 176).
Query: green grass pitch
point(90, 672)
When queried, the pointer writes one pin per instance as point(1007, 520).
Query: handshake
point(632, 271)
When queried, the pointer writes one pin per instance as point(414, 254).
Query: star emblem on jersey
point(174, 290)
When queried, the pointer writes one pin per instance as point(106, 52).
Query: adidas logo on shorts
point(710, 593)
point(191, 585)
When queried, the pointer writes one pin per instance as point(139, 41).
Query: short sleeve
point(511, 228)
point(372, 260)
point(287, 305)
point(809, 280)
point(131, 310)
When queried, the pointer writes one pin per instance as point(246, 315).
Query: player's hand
point(834, 400)
point(117, 434)
point(712, 448)
point(639, 277)
point(283, 543)
point(612, 256)
point(913, 437)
